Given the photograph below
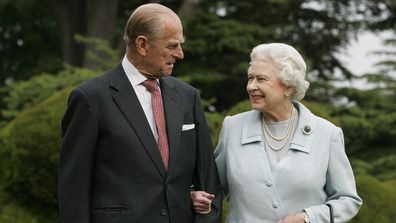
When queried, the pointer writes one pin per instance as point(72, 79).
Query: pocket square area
point(188, 127)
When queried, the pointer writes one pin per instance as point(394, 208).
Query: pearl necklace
point(284, 139)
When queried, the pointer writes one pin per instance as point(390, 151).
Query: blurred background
point(49, 47)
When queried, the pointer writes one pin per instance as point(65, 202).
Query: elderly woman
point(279, 162)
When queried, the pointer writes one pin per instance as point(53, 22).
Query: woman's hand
point(201, 201)
point(293, 218)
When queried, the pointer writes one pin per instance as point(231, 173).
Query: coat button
point(163, 212)
point(275, 205)
point(268, 183)
point(307, 130)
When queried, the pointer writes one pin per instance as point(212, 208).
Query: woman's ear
point(289, 91)
point(141, 45)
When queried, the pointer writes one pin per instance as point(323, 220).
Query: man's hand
point(201, 201)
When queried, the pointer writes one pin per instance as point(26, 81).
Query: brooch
point(306, 130)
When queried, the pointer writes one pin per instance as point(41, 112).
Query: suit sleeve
point(206, 176)
point(79, 136)
point(340, 186)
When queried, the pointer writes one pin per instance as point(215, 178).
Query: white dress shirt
point(144, 96)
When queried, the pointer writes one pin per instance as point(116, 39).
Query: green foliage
point(215, 122)
point(29, 154)
point(240, 107)
point(379, 200)
point(225, 210)
point(104, 57)
point(360, 167)
point(321, 110)
point(28, 40)
point(381, 14)
point(382, 168)
point(25, 94)
point(221, 64)
point(352, 126)
point(232, 29)
point(14, 212)
point(368, 117)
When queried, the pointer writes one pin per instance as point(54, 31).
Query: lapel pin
point(306, 130)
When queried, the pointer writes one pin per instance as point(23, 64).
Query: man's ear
point(141, 45)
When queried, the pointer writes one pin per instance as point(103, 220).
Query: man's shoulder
point(99, 81)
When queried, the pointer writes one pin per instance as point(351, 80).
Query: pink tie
point(152, 86)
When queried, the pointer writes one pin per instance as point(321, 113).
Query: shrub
point(25, 94)
point(379, 200)
point(29, 154)
point(215, 122)
point(15, 213)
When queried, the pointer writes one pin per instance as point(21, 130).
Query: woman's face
point(266, 91)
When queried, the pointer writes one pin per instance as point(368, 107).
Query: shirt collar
point(134, 76)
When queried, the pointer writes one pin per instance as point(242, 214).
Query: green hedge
point(379, 200)
point(23, 95)
point(29, 155)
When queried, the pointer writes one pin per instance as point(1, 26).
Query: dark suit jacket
point(110, 166)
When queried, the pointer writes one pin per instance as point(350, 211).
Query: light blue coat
point(314, 171)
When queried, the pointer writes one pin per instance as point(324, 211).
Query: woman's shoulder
point(240, 117)
point(320, 123)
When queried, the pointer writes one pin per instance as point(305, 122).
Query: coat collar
point(173, 117)
point(303, 135)
point(126, 99)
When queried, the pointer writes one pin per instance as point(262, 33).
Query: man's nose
point(179, 53)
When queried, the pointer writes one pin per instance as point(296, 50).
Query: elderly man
point(135, 139)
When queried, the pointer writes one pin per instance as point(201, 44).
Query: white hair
point(288, 61)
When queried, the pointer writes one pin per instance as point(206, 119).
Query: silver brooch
point(306, 130)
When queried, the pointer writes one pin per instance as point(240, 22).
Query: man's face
point(163, 52)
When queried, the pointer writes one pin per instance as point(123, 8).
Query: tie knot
point(151, 85)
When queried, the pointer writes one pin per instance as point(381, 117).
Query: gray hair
point(146, 20)
point(288, 61)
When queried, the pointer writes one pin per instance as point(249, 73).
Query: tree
point(28, 43)
point(221, 33)
point(90, 18)
point(371, 109)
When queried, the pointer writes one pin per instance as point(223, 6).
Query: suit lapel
point(125, 98)
point(173, 117)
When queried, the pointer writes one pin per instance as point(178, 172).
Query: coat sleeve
point(220, 157)
point(79, 136)
point(340, 186)
point(206, 176)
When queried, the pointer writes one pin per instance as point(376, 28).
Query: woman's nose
point(251, 86)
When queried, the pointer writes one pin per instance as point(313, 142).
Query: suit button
point(275, 205)
point(163, 212)
point(268, 183)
